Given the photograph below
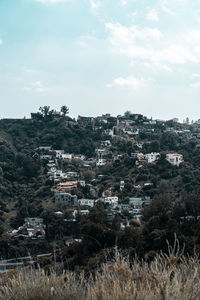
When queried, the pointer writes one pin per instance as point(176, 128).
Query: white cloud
point(133, 14)
point(128, 82)
point(85, 40)
point(165, 8)
point(149, 45)
point(198, 17)
point(197, 75)
point(195, 85)
point(52, 1)
point(126, 2)
point(131, 34)
point(123, 2)
point(95, 5)
point(152, 15)
point(37, 87)
point(1, 42)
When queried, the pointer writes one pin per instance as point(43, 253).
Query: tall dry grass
point(168, 277)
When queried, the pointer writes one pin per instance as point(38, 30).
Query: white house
point(68, 156)
point(151, 157)
point(113, 201)
point(138, 155)
point(136, 203)
point(82, 212)
point(174, 158)
point(101, 162)
point(59, 153)
point(122, 185)
point(86, 202)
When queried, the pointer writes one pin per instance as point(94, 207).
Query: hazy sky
point(100, 56)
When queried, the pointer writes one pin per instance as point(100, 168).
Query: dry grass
point(168, 277)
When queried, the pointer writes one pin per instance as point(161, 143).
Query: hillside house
point(122, 185)
point(147, 201)
point(152, 157)
point(80, 157)
point(174, 158)
point(101, 162)
point(112, 201)
point(86, 202)
point(56, 175)
point(59, 153)
point(33, 228)
point(136, 203)
point(62, 198)
point(138, 155)
point(67, 186)
point(123, 206)
point(67, 156)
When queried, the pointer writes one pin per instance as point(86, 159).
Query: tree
point(127, 113)
point(45, 110)
point(64, 110)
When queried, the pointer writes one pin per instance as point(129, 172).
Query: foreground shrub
point(167, 277)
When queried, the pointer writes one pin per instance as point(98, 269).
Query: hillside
point(115, 169)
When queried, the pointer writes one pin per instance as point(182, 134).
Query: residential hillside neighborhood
point(128, 180)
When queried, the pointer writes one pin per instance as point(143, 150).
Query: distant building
point(112, 201)
point(86, 202)
point(136, 203)
point(71, 175)
point(33, 228)
point(152, 157)
point(67, 156)
point(122, 185)
point(138, 155)
point(147, 201)
point(44, 148)
point(85, 120)
point(101, 162)
point(62, 198)
point(33, 221)
point(59, 153)
point(67, 186)
point(174, 159)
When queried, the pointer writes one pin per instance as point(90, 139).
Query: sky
point(99, 57)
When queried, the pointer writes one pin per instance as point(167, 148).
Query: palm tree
point(64, 110)
point(44, 110)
